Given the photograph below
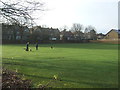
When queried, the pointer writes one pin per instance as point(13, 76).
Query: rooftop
point(118, 31)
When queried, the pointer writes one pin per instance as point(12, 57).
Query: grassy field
point(91, 65)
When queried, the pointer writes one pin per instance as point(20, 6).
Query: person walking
point(27, 46)
point(36, 46)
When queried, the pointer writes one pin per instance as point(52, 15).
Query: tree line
point(16, 32)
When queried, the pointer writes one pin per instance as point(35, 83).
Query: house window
point(26, 30)
point(17, 37)
point(18, 32)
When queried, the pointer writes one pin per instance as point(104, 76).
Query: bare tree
point(93, 34)
point(86, 33)
point(64, 27)
point(77, 29)
point(90, 32)
point(19, 11)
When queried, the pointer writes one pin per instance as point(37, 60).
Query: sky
point(102, 14)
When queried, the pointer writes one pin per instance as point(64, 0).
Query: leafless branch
point(17, 11)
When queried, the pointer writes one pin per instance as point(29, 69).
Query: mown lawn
point(86, 65)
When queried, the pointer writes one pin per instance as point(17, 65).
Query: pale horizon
point(102, 14)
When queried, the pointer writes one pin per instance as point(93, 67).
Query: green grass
point(89, 65)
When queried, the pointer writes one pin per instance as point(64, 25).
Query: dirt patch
point(11, 79)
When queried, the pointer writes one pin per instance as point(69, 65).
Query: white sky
point(102, 14)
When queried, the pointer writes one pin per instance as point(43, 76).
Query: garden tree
point(21, 32)
point(24, 32)
point(44, 26)
point(90, 28)
point(19, 11)
point(86, 30)
point(77, 29)
point(90, 32)
point(64, 27)
point(17, 28)
point(93, 34)
point(14, 29)
point(86, 36)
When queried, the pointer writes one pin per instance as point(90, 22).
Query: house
point(54, 34)
point(43, 33)
point(14, 32)
point(113, 34)
point(91, 35)
point(66, 35)
point(100, 36)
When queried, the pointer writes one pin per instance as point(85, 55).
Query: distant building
point(42, 33)
point(100, 36)
point(91, 35)
point(54, 34)
point(66, 35)
point(14, 32)
point(113, 34)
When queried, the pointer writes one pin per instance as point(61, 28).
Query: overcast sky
point(102, 14)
